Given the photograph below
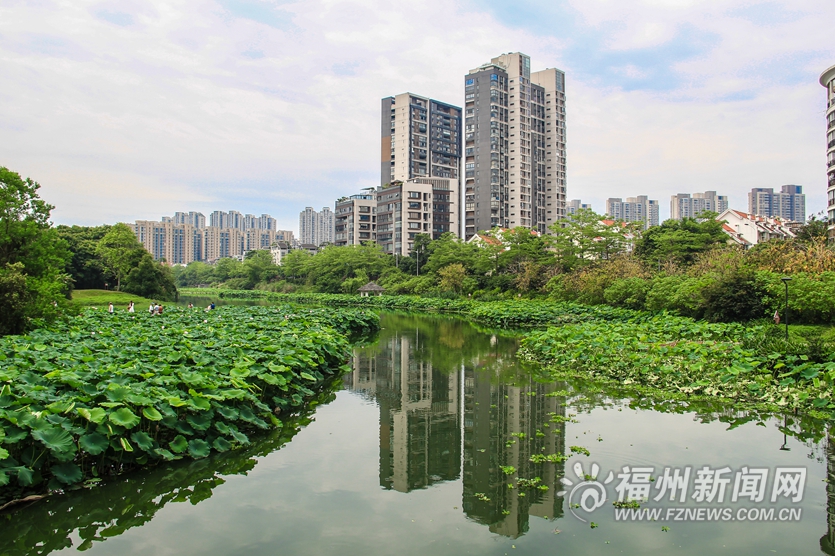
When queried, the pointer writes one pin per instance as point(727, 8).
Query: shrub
point(735, 296)
point(630, 293)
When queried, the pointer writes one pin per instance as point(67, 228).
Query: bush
point(630, 293)
point(588, 284)
point(676, 293)
point(734, 297)
point(811, 296)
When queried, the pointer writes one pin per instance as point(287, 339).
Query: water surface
point(411, 458)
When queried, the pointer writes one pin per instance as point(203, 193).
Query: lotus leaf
point(124, 417)
point(228, 412)
point(67, 473)
point(200, 421)
point(151, 414)
point(141, 439)
point(221, 445)
point(198, 448)
point(93, 443)
point(59, 442)
point(179, 444)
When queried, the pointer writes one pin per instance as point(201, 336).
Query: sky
point(125, 109)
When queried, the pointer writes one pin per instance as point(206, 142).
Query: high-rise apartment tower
point(514, 145)
point(421, 139)
point(789, 203)
point(827, 79)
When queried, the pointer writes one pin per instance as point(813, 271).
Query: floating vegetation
point(690, 359)
point(101, 394)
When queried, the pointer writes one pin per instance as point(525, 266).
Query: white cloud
point(126, 110)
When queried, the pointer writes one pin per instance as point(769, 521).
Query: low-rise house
point(279, 250)
point(747, 229)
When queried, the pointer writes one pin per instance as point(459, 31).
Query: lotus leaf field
point(670, 355)
point(690, 359)
point(101, 394)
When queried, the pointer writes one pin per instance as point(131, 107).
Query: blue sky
point(131, 109)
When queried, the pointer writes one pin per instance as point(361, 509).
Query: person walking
point(151, 308)
point(110, 308)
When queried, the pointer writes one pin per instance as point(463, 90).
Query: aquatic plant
point(101, 394)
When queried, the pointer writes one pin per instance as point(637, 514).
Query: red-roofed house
point(750, 229)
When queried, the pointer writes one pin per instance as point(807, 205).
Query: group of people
point(155, 308)
point(131, 308)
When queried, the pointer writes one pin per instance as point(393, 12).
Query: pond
point(427, 447)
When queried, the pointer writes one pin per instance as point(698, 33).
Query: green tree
point(32, 256)
point(151, 279)
point(85, 266)
point(120, 251)
point(419, 249)
point(452, 277)
point(816, 228)
point(681, 241)
point(447, 250)
point(330, 267)
point(193, 274)
point(586, 237)
point(258, 267)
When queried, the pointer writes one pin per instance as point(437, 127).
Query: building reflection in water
point(453, 403)
point(827, 541)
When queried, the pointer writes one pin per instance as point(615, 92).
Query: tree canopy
point(680, 241)
point(32, 256)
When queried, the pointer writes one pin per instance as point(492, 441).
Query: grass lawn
point(100, 298)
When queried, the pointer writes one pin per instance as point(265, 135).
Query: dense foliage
point(683, 267)
point(103, 393)
point(126, 502)
point(32, 256)
point(85, 267)
point(678, 355)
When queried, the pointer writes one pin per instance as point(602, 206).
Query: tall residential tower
point(828, 80)
point(514, 145)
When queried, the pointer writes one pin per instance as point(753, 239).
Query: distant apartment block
point(514, 145)
point(182, 243)
point(827, 79)
point(575, 205)
point(789, 203)
point(196, 219)
point(418, 206)
point(355, 219)
point(421, 139)
point(316, 228)
point(236, 220)
point(683, 205)
point(634, 209)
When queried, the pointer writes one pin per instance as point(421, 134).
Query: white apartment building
point(316, 228)
point(789, 203)
point(683, 205)
point(418, 206)
point(575, 205)
point(634, 209)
